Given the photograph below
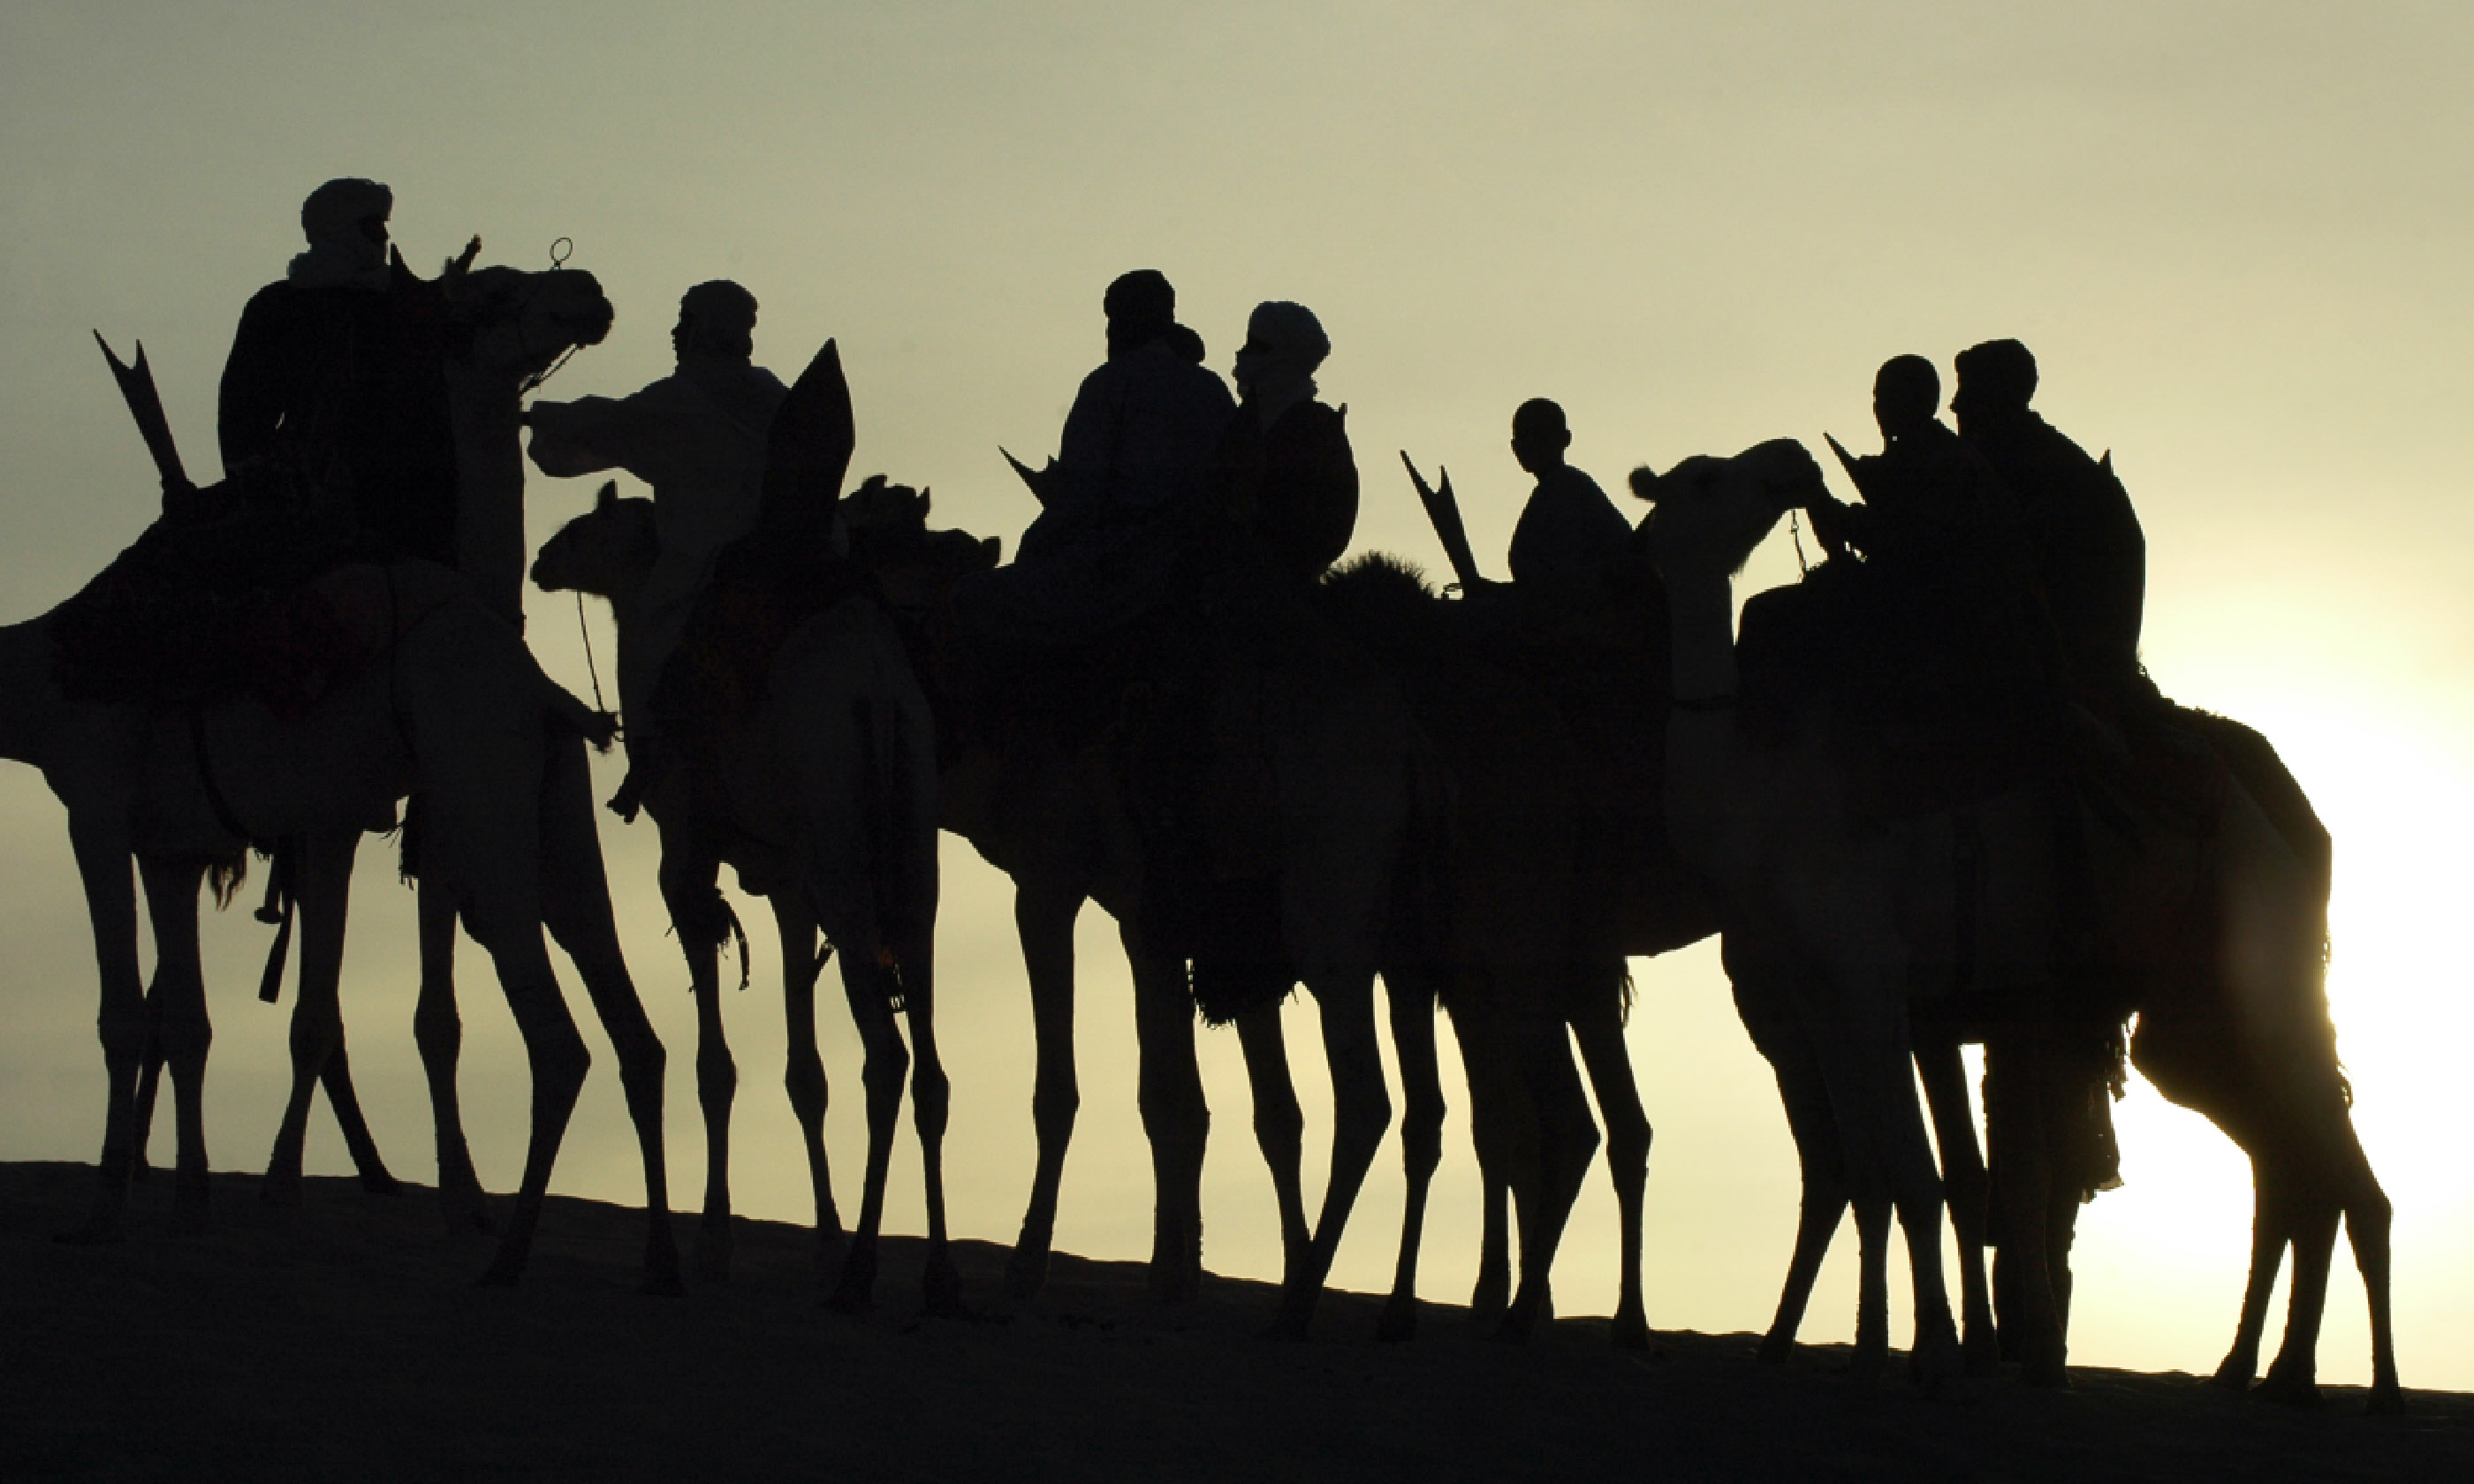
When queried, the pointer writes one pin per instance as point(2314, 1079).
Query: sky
point(2233, 234)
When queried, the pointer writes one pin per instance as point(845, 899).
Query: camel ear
point(1644, 484)
point(606, 496)
point(924, 494)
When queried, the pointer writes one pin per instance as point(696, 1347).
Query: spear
point(146, 405)
point(1444, 511)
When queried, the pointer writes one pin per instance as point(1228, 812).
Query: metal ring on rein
point(560, 248)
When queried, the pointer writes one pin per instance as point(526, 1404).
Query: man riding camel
point(1125, 499)
point(2091, 558)
point(698, 438)
point(1570, 530)
point(333, 397)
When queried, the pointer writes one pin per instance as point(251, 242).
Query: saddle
point(212, 605)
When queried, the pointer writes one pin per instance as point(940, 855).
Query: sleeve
point(256, 385)
point(593, 433)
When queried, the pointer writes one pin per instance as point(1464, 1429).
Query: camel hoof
point(1399, 1321)
point(281, 1192)
point(1025, 1273)
point(662, 1278)
point(1777, 1350)
point(2235, 1373)
point(2386, 1401)
point(376, 1181)
point(2046, 1375)
point(1981, 1353)
point(139, 1170)
point(1628, 1331)
point(941, 1289)
point(2287, 1388)
point(1173, 1283)
point(856, 1293)
point(713, 1250)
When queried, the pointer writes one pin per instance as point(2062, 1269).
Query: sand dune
point(345, 1341)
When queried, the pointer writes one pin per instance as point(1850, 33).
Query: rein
point(583, 632)
point(560, 251)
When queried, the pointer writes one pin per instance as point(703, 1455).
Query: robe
point(1568, 529)
point(699, 439)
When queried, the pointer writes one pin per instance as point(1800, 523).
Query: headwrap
point(338, 253)
point(725, 317)
point(1284, 344)
point(1141, 307)
point(1998, 377)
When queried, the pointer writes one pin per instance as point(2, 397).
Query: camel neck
point(1702, 627)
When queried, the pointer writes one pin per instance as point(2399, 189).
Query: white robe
point(699, 439)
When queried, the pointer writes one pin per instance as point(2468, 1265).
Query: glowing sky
point(2234, 233)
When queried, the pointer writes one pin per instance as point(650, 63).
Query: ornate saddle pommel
point(808, 450)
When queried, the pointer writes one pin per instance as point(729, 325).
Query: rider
point(697, 437)
point(1125, 499)
point(2091, 558)
point(1570, 529)
point(335, 394)
point(1293, 479)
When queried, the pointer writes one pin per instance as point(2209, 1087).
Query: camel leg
point(887, 1067)
point(1490, 1137)
point(1964, 1188)
point(2293, 1378)
point(931, 1104)
point(559, 1060)
point(2015, 1116)
point(324, 893)
point(575, 908)
point(1866, 1061)
point(2366, 1226)
point(1279, 1127)
point(181, 1031)
point(1601, 1039)
point(438, 1030)
point(804, 1077)
point(150, 1076)
point(2271, 1229)
point(111, 906)
point(1825, 1192)
point(1169, 1091)
point(1567, 1140)
point(698, 913)
point(336, 1077)
point(1043, 918)
point(1421, 1140)
point(1360, 1112)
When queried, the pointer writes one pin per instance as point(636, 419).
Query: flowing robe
point(1568, 529)
point(699, 439)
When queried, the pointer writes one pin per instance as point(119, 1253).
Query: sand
point(346, 1340)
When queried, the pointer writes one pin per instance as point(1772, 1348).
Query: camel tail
point(900, 787)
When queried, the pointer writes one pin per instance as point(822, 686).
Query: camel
point(1518, 941)
point(450, 700)
point(2223, 925)
point(823, 799)
point(1047, 810)
point(453, 704)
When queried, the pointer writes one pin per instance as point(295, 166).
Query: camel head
point(1707, 513)
point(608, 550)
point(913, 566)
point(517, 325)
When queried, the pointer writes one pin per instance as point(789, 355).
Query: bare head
point(1540, 436)
point(1906, 394)
point(716, 318)
point(1996, 381)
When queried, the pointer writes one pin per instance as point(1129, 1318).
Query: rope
point(1795, 531)
point(583, 632)
point(560, 248)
